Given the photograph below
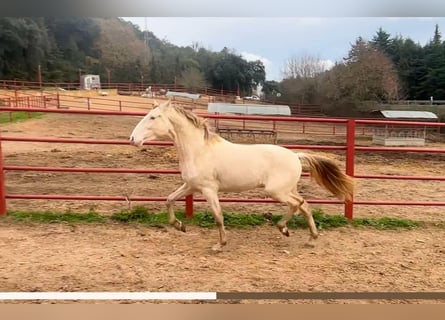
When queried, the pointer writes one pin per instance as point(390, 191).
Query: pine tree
point(432, 83)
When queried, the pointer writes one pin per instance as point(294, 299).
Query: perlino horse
point(209, 164)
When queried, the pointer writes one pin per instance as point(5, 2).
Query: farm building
point(173, 94)
point(252, 109)
point(252, 128)
point(402, 135)
point(89, 82)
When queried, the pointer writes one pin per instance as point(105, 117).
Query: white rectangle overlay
point(107, 295)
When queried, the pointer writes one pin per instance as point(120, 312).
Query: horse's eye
point(152, 118)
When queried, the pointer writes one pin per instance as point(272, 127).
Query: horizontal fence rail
point(349, 148)
point(105, 85)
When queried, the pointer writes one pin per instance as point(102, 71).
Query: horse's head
point(155, 125)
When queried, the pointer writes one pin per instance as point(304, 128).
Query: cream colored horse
point(209, 164)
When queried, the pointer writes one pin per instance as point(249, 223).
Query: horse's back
point(240, 167)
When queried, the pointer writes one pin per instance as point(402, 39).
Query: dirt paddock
point(116, 257)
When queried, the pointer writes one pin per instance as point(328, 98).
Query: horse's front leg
point(182, 191)
point(212, 198)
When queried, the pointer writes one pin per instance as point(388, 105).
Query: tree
point(408, 59)
point(192, 79)
point(432, 82)
point(370, 73)
point(24, 44)
point(382, 41)
point(121, 51)
point(271, 89)
point(302, 77)
point(231, 71)
point(304, 66)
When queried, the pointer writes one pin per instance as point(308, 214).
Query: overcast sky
point(274, 40)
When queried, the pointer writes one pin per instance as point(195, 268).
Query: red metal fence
point(350, 148)
point(120, 86)
point(67, 101)
point(129, 88)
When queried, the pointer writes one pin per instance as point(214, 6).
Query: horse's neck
point(189, 142)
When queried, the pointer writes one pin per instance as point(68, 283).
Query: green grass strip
point(140, 215)
point(18, 116)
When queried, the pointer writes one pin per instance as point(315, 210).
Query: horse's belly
point(230, 183)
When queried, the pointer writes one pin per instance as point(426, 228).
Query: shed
point(402, 135)
point(250, 128)
point(253, 109)
point(182, 95)
point(90, 82)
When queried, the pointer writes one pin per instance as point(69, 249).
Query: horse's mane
point(196, 121)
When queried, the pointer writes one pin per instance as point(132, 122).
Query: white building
point(89, 82)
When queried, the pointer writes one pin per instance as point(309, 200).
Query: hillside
point(116, 50)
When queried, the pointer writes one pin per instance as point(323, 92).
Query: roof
point(182, 94)
point(257, 109)
point(394, 114)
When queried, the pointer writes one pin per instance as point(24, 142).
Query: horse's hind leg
point(182, 191)
point(295, 202)
point(292, 208)
point(304, 208)
point(212, 198)
point(282, 224)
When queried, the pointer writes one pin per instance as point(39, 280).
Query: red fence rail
point(120, 86)
point(349, 148)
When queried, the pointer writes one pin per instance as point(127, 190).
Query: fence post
point(58, 101)
point(2, 183)
point(189, 206)
point(29, 106)
point(350, 153)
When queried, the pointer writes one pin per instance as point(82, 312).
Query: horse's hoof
point(180, 226)
point(284, 231)
point(217, 248)
point(309, 244)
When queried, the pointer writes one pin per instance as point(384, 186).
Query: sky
point(275, 40)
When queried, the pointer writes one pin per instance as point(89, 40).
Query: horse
point(210, 163)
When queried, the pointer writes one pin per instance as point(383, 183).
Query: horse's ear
point(155, 104)
point(166, 104)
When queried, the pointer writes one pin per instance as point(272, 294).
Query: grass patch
point(240, 220)
point(322, 220)
point(205, 219)
point(202, 219)
point(141, 215)
point(18, 116)
point(386, 223)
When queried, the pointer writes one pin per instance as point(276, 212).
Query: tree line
point(117, 50)
point(382, 69)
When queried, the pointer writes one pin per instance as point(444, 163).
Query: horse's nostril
point(132, 139)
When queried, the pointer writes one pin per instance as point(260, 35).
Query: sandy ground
point(135, 258)
point(115, 257)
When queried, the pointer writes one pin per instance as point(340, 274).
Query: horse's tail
point(328, 174)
